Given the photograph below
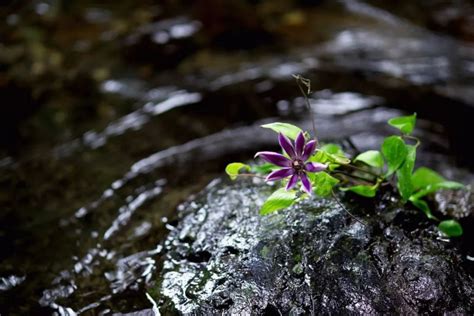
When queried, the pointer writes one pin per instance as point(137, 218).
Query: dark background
point(90, 90)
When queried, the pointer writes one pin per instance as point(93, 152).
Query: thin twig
point(343, 207)
point(301, 80)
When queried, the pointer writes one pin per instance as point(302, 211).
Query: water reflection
point(131, 121)
point(93, 190)
point(163, 31)
point(7, 283)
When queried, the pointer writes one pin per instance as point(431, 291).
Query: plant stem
point(352, 176)
point(344, 208)
point(307, 83)
point(354, 147)
point(412, 138)
point(363, 170)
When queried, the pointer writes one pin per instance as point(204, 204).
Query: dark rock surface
point(225, 259)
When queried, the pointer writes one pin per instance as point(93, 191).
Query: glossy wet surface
point(312, 259)
point(113, 115)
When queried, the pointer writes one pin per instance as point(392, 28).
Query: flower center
point(297, 165)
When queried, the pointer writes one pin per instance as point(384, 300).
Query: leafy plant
point(322, 170)
point(233, 169)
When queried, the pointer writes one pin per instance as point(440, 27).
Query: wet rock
point(223, 258)
point(455, 203)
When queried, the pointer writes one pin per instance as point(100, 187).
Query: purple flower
point(296, 166)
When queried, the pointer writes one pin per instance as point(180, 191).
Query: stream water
point(112, 115)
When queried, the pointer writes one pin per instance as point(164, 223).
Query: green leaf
point(451, 228)
point(331, 154)
point(404, 123)
point(395, 152)
point(323, 183)
point(333, 149)
point(422, 205)
point(286, 129)
point(340, 160)
point(450, 185)
point(280, 199)
point(320, 156)
point(404, 174)
point(233, 169)
point(372, 158)
point(363, 190)
point(424, 177)
point(323, 157)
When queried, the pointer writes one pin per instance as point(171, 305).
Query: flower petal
point(279, 174)
point(306, 183)
point(292, 182)
point(274, 158)
point(315, 167)
point(299, 144)
point(309, 150)
point(285, 143)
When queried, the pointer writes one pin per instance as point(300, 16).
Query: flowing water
point(113, 115)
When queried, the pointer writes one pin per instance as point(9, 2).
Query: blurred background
point(112, 113)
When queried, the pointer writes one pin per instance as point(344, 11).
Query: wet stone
point(310, 259)
point(455, 203)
